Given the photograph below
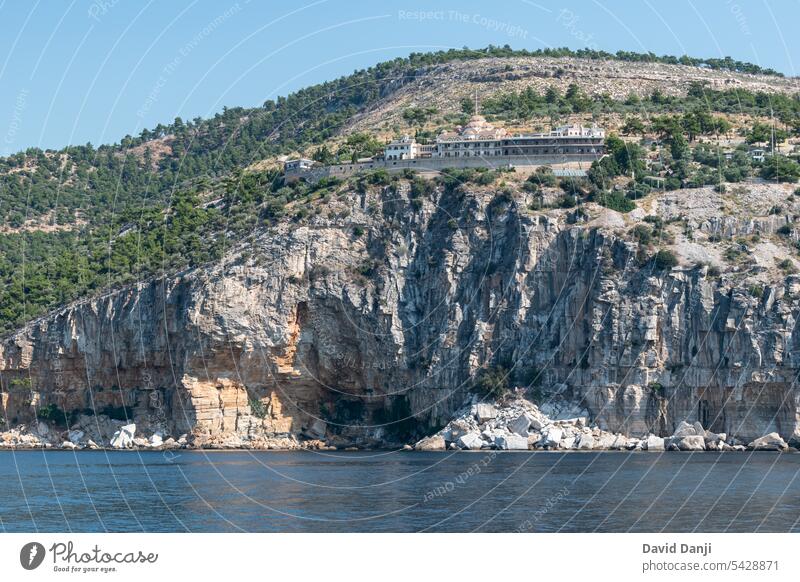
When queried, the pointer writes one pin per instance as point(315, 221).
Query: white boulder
point(684, 429)
point(654, 443)
point(770, 442)
point(317, 429)
point(484, 412)
point(520, 425)
point(713, 438)
point(551, 437)
point(605, 440)
point(691, 443)
point(586, 442)
point(620, 442)
point(123, 438)
point(431, 443)
point(471, 441)
point(512, 442)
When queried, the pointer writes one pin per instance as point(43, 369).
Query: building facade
point(477, 144)
point(481, 139)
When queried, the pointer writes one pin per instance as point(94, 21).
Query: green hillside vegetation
point(84, 219)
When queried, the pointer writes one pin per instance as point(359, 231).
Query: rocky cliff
point(367, 324)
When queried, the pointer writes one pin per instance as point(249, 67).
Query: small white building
point(298, 165)
point(404, 148)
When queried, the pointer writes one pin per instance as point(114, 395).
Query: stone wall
point(437, 165)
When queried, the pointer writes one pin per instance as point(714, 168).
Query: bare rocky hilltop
point(443, 86)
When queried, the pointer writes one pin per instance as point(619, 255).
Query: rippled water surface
point(391, 491)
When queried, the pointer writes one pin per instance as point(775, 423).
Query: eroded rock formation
point(368, 325)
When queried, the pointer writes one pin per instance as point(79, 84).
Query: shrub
point(492, 382)
point(51, 413)
point(358, 231)
point(567, 201)
point(787, 266)
point(615, 201)
point(379, 177)
point(486, 178)
point(643, 234)
point(20, 385)
point(543, 177)
point(257, 408)
point(573, 185)
point(421, 187)
point(665, 259)
point(780, 169)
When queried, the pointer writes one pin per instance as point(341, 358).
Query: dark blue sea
point(382, 491)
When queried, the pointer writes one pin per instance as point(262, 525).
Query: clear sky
point(73, 71)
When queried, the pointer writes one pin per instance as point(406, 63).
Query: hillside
point(85, 219)
point(174, 279)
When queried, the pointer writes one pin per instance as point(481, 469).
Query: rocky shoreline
point(509, 425)
point(520, 425)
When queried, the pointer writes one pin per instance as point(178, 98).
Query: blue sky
point(74, 71)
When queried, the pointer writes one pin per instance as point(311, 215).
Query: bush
point(787, 266)
point(665, 259)
point(485, 178)
point(52, 413)
point(567, 201)
point(257, 408)
point(543, 177)
point(573, 185)
point(358, 231)
point(379, 177)
point(492, 382)
point(420, 187)
point(780, 169)
point(20, 385)
point(643, 234)
point(615, 201)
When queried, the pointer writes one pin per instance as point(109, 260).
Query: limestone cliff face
point(368, 325)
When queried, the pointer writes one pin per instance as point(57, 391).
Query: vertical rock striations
point(319, 332)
